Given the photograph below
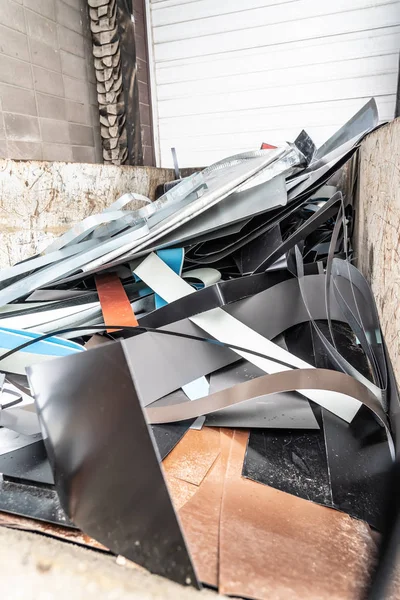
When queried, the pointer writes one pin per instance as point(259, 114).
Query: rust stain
point(63, 533)
point(275, 545)
point(194, 455)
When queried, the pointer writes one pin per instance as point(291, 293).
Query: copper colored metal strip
point(275, 545)
point(193, 456)
point(179, 490)
point(200, 517)
point(114, 302)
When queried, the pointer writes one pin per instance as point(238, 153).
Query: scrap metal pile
point(211, 390)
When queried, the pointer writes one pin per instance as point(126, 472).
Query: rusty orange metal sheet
point(179, 490)
point(194, 455)
point(200, 517)
point(62, 533)
point(114, 302)
point(275, 545)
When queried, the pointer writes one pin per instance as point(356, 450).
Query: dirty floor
point(35, 567)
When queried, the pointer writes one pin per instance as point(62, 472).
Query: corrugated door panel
point(267, 122)
point(319, 52)
point(279, 33)
point(283, 95)
point(231, 74)
point(294, 12)
point(261, 81)
point(167, 12)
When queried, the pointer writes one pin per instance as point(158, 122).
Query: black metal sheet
point(299, 341)
point(33, 501)
point(359, 460)
point(252, 255)
point(27, 464)
point(344, 465)
point(167, 436)
point(358, 452)
point(292, 461)
point(328, 210)
point(306, 146)
point(217, 295)
point(104, 460)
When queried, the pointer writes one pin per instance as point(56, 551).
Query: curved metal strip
point(354, 321)
point(334, 238)
point(231, 331)
point(68, 266)
point(317, 219)
point(367, 325)
point(206, 275)
point(288, 381)
point(335, 355)
point(82, 229)
point(276, 162)
point(125, 199)
point(27, 266)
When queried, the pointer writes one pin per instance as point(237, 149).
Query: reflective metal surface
point(129, 512)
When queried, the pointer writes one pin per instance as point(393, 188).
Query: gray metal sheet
point(106, 469)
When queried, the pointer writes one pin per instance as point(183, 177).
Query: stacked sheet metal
point(223, 331)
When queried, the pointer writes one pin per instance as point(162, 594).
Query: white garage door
point(230, 74)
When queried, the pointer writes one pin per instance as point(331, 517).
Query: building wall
point(142, 59)
point(233, 74)
point(48, 103)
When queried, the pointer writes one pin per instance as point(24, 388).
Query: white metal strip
point(225, 328)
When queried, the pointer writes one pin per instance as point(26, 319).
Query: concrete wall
point(48, 104)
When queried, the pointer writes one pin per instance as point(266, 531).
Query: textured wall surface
point(39, 200)
point(48, 102)
point(378, 229)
